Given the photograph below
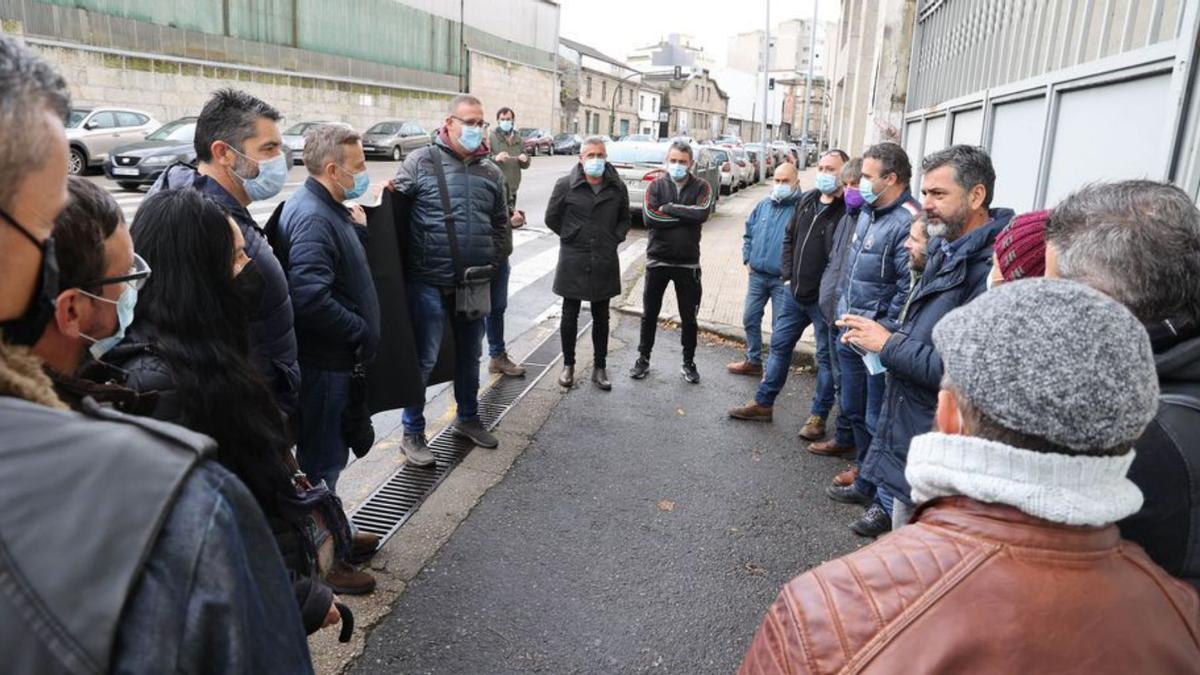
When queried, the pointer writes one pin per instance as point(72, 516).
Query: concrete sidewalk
point(725, 278)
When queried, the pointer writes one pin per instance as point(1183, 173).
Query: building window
point(641, 103)
point(589, 87)
point(604, 90)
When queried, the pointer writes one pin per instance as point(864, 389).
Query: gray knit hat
point(1053, 359)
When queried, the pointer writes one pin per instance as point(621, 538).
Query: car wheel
point(77, 162)
point(397, 155)
point(126, 185)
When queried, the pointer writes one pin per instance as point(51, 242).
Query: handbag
point(473, 285)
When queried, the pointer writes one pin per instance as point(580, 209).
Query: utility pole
point(766, 66)
point(808, 82)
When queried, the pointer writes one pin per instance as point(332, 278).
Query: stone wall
point(169, 89)
point(532, 93)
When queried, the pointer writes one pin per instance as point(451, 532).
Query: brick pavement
point(725, 278)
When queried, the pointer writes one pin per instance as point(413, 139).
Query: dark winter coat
point(272, 338)
point(1167, 468)
point(590, 226)
point(834, 278)
point(877, 269)
point(914, 373)
point(480, 210)
point(807, 242)
point(766, 227)
point(333, 295)
point(674, 217)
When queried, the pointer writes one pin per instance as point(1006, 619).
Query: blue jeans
point(321, 450)
point(862, 397)
point(827, 359)
point(763, 287)
point(495, 320)
point(428, 308)
point(790, 321)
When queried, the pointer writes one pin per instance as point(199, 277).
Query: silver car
point(394, 139)
point(293, 138)
point(94, 132)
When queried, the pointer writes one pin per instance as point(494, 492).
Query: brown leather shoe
point(363, 544)
point(502, 365)
point(346, 580)
point(846, 477)
point(830, 449)
point(814, 429)
point(753, 412)
point(744, 367)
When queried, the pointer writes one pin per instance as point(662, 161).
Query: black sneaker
point(874, 522)
point(848, 494)
point(640, 368)
point(473, 431)
point(690, 373)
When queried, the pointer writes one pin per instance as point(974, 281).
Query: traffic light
point(678, 72)
point(771, 84)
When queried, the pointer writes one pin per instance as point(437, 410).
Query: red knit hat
point(1021, 246)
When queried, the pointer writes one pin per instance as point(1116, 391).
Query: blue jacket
point(477, 198)
point(762, 245)
point(272, 339)
point(877, 277)
point(337, 311)
point(914, 376)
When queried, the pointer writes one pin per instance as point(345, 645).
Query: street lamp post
point(612, 113)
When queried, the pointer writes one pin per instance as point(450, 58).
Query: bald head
point(786, 173)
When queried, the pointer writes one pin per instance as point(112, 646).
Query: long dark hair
point(202, 332)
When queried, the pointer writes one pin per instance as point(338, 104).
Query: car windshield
point(76, 118)
point(720, 156)
point(183, 131)
point(564, 137)
point(383, 128)
point(526, 133)
point(299, 129)
point(638, 153)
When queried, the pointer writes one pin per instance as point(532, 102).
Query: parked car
point(293, 138)
point(567, 144)
point(537, 142)
point(94, 132)
point(769, 156)
point(638, 164)
point(741, 163)
point(138, 164)
point(728, 139)
point(394, 139)
point(730, 177)
point(639, 138)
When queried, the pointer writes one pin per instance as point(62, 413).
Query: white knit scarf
point(1072, 490)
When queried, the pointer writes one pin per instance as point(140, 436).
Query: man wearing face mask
point(337, 311)
point(805, 253)
point(508, 151)
point(100, 276)
point(956, 187)
point(127, 548)
point(478, 223)
point(675, 207)
point(240, 158)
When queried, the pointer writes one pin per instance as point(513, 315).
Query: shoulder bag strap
point(447, 212)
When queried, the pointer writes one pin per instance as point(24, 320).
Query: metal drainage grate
point(391, 504)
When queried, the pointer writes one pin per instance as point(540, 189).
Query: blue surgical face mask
point(594, 167)
point(782, 191)
point(272, 174)
point(125, 305)
point(362, 181)
point(471, 138)
point(677, 171)
point(827, 183)
point(874, 365)
point(867, 190)
point(506, 126)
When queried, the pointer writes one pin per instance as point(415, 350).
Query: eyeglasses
point(477, 123)
point(136, 278)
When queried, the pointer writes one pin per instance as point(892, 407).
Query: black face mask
point(250, 285)
point(27, 328)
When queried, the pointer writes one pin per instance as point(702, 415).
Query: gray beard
point(945, 230)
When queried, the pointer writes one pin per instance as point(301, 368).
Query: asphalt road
point(641, 531)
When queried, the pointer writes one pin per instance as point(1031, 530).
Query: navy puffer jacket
point(877, 279)
point(952, 278)
point(477, 198)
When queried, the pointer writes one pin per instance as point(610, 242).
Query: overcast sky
point(617, 27)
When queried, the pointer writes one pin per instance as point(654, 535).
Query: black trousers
point(570, 330)
point(687, 295)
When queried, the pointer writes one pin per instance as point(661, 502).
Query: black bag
point(473, 285)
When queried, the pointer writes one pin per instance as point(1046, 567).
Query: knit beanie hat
point(1053, 359)
point(1021, 246)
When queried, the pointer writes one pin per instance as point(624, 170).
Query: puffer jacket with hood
point(877, 268)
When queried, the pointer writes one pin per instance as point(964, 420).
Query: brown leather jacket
point(983, 588)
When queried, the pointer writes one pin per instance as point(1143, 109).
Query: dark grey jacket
point(590, 226)
point(834, 277)
point(479, 206)
point(127, 550)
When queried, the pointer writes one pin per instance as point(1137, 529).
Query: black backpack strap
point(447, 213)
